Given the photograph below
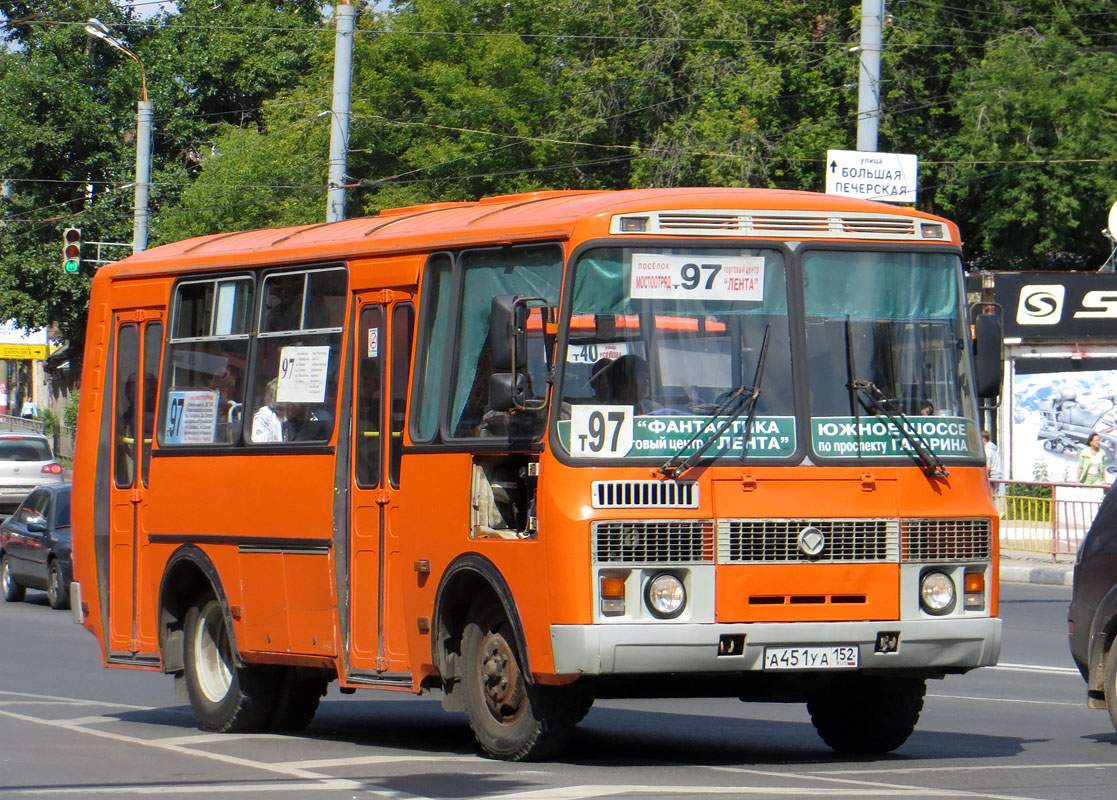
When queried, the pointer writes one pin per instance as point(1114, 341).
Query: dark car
point(1092, 616)
point(35, 547)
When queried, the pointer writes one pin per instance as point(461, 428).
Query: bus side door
point(383, 351)
point(139, 343)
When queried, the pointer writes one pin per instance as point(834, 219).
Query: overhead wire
point(404, 176)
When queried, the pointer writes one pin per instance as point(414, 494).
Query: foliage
point(50, 422)
point(1012, 109)
point(70, 410)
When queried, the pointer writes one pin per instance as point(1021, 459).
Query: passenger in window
point(599, 382)
point(306, 425)
point(266, 423)
point(629, 384)
point(285, 303)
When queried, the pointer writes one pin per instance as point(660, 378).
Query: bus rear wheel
point(868, 715)
point(512, 718)
point(225, 698)
point(296, 701)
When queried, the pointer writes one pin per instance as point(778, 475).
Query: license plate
point(842, 656)
point(6, 490)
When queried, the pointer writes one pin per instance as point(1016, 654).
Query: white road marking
point(316, 778)
point(97, 720)
point(871, 787)
point(975, 768)
point(1007, 700)
point(609, 790)
point(178, 788)
point(1038, 668)
point(356, 761)
point(206, 738)
point(78, 701)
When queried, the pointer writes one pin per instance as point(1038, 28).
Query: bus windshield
point(660, 338)
point(885, 339)
point(661, 341)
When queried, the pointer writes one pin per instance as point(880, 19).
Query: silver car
point(26, 462)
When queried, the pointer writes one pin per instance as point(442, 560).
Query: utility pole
point(339, 126)
point(868, 84)
point(145, 111)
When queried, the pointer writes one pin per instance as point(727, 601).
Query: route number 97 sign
point(600, 431)
point(661, 276)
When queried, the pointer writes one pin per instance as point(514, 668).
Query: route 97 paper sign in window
point(302, 374)
point(191, 417)
point(659, 276)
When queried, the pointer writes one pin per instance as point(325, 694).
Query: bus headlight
point(665, 596)
point(936, 592)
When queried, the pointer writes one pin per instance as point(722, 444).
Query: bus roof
point(550, 215)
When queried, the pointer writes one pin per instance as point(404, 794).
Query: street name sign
point(891, 177)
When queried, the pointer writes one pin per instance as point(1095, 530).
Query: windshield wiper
point(876, 401)
point(744, 397)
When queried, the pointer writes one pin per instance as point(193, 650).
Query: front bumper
point(643, 648)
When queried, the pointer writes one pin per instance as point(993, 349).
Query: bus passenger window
point(298, 354)
point(206, 360)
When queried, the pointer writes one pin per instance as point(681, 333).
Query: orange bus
point(536, 450)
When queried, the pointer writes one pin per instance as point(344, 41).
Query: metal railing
point(63, 438)
point(1045, 517)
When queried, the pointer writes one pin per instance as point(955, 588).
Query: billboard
point(1052, 416)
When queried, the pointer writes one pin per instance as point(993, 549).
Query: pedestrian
point(1091, 461)
point(992, 457)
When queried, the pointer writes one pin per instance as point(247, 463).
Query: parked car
point(26, 462)
point(1092, 616)
point(35, 547)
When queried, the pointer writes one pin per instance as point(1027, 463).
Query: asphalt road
point(1019, 730)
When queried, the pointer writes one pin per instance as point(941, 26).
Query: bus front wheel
point(225, 698)
point(512, 718)
point(868, 715)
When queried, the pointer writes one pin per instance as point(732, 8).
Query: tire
point(225, 698)
point(58, 594)
point(1110, 687)
point(13, 592)
point(512, 718)
point(296, 701)
point(868, 715)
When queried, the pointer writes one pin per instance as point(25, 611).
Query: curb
point(1050, 576)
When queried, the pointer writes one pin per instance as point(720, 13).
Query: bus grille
point(653, 541)
point(767, 541)
point(645, 494)
point(946, 540)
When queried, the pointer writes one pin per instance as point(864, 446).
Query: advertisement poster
point(1053, 414)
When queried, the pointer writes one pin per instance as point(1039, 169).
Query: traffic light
point(71, 250)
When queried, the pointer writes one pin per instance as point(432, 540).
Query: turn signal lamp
point(974, 591)
point(612, 596)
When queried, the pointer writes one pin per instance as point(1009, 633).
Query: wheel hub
point(501, 680)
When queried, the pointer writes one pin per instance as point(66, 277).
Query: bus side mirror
point(988, 360)
point(507, 391)
point(508, 332)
